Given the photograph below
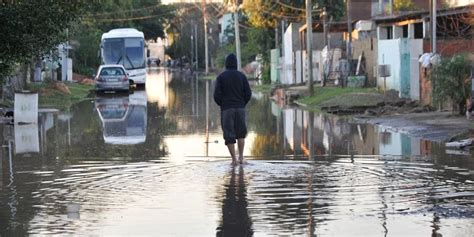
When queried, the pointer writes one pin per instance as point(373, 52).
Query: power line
point(290, 7)
point(124, 11)
point(137, 18)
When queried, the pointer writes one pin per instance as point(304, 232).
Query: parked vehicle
point(112, 78)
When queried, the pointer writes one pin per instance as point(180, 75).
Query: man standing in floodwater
point(232, 93)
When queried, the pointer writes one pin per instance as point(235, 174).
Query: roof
point(123, 33)
point(339, 26)
point(111, 65)
point(125, 140)
point(413, 15)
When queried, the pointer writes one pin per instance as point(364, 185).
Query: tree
point(267, 14)
point(451, 80)
point(180, 28)
point(148, 16)
point(32, 28)
point(404, 5)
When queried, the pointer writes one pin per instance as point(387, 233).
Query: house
point(325, 59)
point(403, 38)
point(225, 22)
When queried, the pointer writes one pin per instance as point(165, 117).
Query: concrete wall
point(369, 47)
point(387, 51)
point(275, 66)
point(401, 54)
point(291, 43)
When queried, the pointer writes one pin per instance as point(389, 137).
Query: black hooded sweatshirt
point(232, 88)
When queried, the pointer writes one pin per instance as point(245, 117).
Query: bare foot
point(234, 162)
point(242, 161)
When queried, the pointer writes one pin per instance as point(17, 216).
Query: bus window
point(113, 50)
point(134, 50)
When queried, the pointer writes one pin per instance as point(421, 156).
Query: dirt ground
point(441, 126)
point(401, 115)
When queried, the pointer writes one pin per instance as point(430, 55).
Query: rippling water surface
point(308, 174)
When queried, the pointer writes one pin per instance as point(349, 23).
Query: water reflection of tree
point(87, 136)
point(260, 117)
point(261, 120)
point(235, 218)
point(189, 104)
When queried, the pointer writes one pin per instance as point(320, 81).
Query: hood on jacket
point(231, 61)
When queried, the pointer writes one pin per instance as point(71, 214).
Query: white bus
point(125, 46)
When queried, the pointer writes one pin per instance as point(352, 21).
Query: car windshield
point(126, 51)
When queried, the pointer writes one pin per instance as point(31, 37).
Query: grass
point(51, 97)
point(213, 76)
point(264, 88)
point(321, 95)
point(210, 76)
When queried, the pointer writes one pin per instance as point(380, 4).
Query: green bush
point(450, 80)
point(266, 74)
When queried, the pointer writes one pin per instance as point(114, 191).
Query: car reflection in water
point(123, 117)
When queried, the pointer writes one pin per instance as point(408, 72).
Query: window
point(389, 30)
point(418, 30)
point(112, 71)
point(405, 31)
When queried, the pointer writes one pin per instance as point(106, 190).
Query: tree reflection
point(235, 217)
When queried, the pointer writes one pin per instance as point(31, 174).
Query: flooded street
point(154, 163)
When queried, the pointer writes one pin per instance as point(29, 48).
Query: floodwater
point(153, 163)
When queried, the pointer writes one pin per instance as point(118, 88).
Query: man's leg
point(227, 121)
point(241, 145)
point(231, 148)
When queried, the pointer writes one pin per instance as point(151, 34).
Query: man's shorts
point(234, 125)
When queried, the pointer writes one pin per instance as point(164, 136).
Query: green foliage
point(181, 27)
point(85, 43)
point(254, 41)
point(32, 28)
point(50, 97)
point(148, 16)
point(450, 80)
point(222, 52)
point(404, 5)
point(266, 74)
point(322, 94)
point(267, 14)
point(265, 88)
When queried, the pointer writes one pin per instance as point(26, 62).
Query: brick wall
point(451, 47)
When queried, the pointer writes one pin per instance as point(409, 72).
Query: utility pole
point(196, 46)
point(433, 27)
point(325, 41)
point(192, 46)
point(349, 42)
point(309, 50)
point(276, 36)
point(206, 45)
point(237, 34)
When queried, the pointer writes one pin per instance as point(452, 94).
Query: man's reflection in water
point(235, 217)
